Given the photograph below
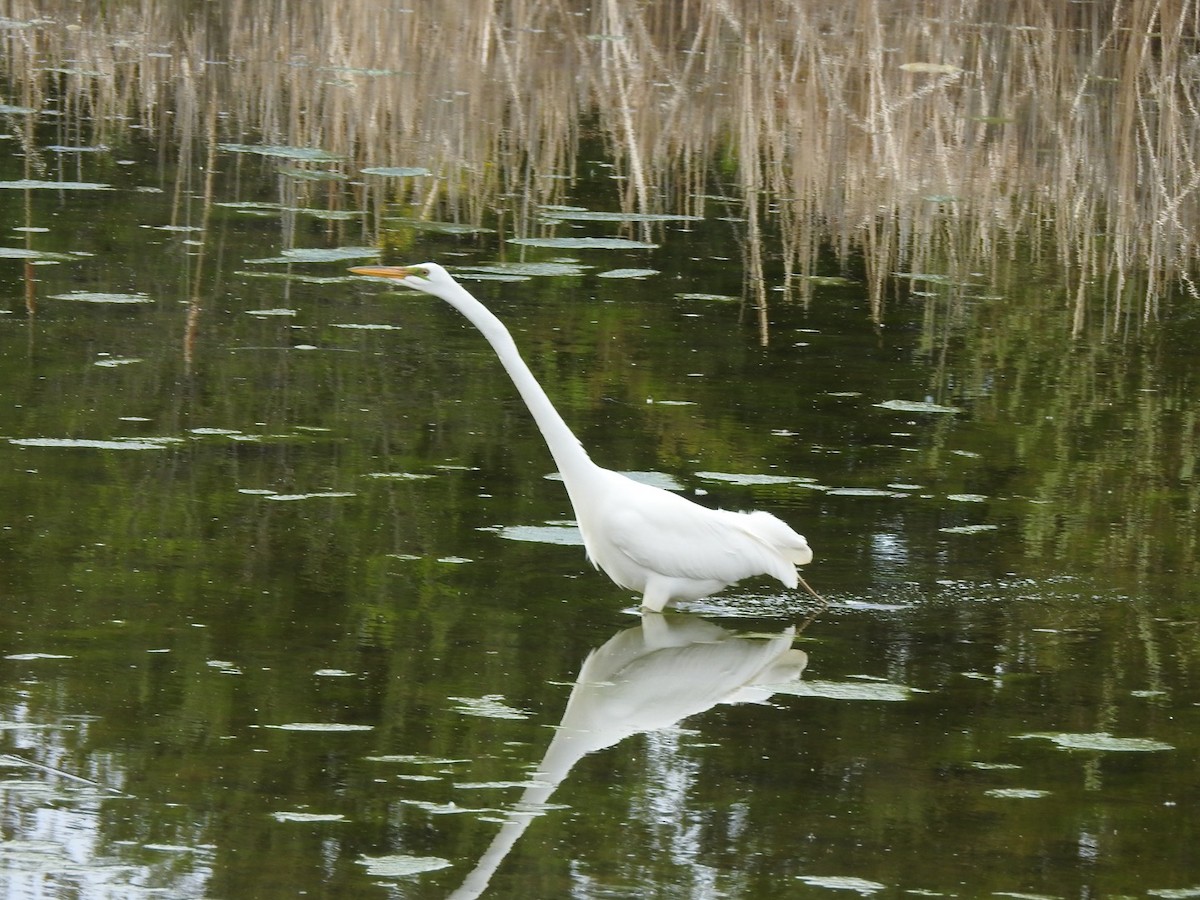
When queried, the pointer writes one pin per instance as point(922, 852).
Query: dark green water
point(261, 624)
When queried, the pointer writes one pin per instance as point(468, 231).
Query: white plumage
point(644, 538)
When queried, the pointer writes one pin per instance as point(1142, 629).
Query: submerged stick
point(19, 761)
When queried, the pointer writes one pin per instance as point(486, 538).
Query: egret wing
point(673, 537)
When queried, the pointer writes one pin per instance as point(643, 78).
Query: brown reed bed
point(899, 134)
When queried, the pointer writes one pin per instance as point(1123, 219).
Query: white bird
point(644, 538)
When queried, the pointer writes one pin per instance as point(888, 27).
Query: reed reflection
point(642, 679)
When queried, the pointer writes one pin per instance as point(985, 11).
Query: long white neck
point(568, 453)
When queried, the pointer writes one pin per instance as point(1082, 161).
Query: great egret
point(644, 538)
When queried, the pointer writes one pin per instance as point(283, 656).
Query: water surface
point(291, 601)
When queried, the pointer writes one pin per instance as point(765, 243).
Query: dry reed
point(904, 134)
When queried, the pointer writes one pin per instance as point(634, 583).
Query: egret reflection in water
point(645, 678)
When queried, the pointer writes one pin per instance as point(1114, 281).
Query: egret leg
point(656, 596)
point(820, 609)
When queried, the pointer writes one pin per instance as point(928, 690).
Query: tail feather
point(779, 535)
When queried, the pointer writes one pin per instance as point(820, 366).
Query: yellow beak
point(383, 271)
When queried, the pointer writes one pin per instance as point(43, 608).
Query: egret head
point(428, 277)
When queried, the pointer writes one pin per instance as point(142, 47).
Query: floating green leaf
point(917, 406)
point(737, 478)
point(29, 184)
point(319, 254)
point(309, 154)
point(844, 883)
point(587, 215)
point(102, 297)
point(307, 817)
point(400, 865)
point(490, 706)
point(628, 273)
point(22, 253)
point(438, 227)
point(88, 444)
point(1017, 793)
point(1099, 741)
point(320, 726)
point(884, 691)
point(317, 495)
point(566, 535)
point(710, 298)
point(396, 171)
point(548, 269)
point(584, 243)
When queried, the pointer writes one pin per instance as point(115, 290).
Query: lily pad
point(628, 273)
point(584, 243)
point(22, 253)
point(917, 406)
point(31, 184)
point(750, 479)
point(864, 492)
point(253, 207)
point(587, 215)
point(401, 865)
point(1099, 741)
point(317, 495)
point(564, 535)
point(307, 817)
point(968, 529)
point(548, 269)
point(438, 227)
point(711, 298)
point(102, 297)
point(1017, 793)
point(320, 726)
point(844, 883)
point(319, 254)
point(308, 154)
point(883, 691)
point(490, 706)
point(89, 444)
point(416, 759)
point(396, 171)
